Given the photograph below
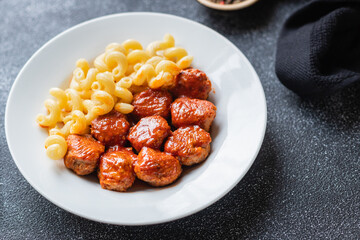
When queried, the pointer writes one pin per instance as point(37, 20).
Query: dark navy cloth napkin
point(318, 49)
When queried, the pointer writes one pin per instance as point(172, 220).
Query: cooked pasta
point(103, 102)
point(124, 108)
point(131, 44)
point(79, 125)
point(178, 55)
point(156, 46)
point(109, 83)
point(56, 147)
point(53, 117)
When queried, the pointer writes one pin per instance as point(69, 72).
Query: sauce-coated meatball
point(157, 168)
point(191, 83)
point(128, 149)
point(83, 154)
point(110, 129)
point(187, 111)
point(149, 132)
point(190, 145)
point(152, 102)
point(116, 170)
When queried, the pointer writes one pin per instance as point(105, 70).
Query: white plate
point(237, 132)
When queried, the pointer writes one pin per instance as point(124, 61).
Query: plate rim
point(168, 219)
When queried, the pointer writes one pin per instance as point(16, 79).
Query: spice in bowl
point(222, 2)
point(227, 5)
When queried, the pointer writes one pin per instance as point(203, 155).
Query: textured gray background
point(305, 183)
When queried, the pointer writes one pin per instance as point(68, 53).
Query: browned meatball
point(111, 128)
point(157, 168)
point(116, 170)
point(128, 149)
point(190, 145)
point(149, 132)
point(187, 111)
point(152, 102)
point(191, 83)
point(83, 153)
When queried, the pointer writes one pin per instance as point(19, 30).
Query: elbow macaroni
point(118, 73)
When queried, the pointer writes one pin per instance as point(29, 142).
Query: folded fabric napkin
point(318, 50)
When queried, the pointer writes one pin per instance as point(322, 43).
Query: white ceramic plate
point(237, 131)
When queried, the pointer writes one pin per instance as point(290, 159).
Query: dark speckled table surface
point(304, 184)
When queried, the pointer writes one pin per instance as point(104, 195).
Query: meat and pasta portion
point(134, 113)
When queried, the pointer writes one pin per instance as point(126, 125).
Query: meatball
point(186, 112)
point(191, 83)
point(190, 145)
point(83, 153)
point(149, 132)
point(152, 102)
point(111, 128)
point(123, 149)
point(157, 168)
point(116, 170)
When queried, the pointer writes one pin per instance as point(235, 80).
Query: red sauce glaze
point(149, 132)
point(124, 149)
point(152, 102)
point(83, 154)
point(191, 83)
point(111, 128)
point(116, 170)
point(157, 168)
point(186, 112)
point(190, 145)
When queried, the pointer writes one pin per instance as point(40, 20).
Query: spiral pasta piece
point(146, 72)
point(135, 57)
point(163, 78)
point(156, 46)
point(80, 72)
point(85, 83)
point(100, 64)
point(74, 100)
point(117, 62)
point(89, 116)
point(63, 131)
point(125, 82)
point(116, 47)
point(103, 101)
point(61, 97)
point(79, 126)
point(178, 55)
point(104, 82)
point(167, 66)
point(56, 147)
point(124, 94)
point(54, 114)
point(154, 61)
point(124, 108)
point(131, 45)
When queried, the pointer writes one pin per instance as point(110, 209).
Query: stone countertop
point(304, 184)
